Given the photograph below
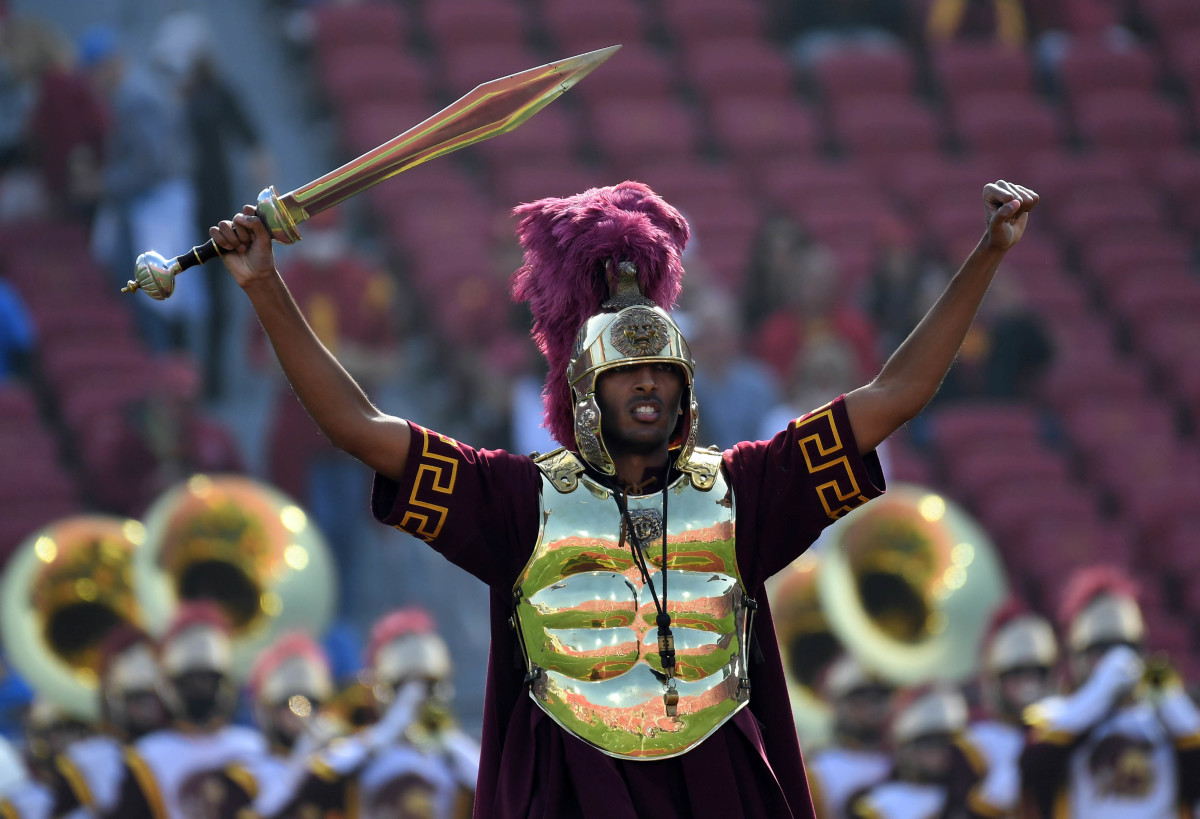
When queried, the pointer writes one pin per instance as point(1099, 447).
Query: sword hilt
point(155, 276)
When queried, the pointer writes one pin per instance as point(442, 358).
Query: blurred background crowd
point(828, 156)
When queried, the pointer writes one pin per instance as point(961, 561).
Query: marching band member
point(935, 769)
point(1126, 741)
point(1018, 665)
point(130, 706)
point(184, 771)
point(414, 756)
point(858, 758)
point(288, 685)
point(48, 731)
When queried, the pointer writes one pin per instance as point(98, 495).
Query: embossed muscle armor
point(586, 621)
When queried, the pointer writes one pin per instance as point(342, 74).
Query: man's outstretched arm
point(911, 377)
point(338, 405)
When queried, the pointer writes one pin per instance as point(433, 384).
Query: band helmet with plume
point(600, 272)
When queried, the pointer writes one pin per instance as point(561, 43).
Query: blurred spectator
point(825, 368)
point(732, 389)
point(15, 97)
point(1005, 351)
point(902, 286)
point(815, 28)
point(813, 305)
point(218, 124)
point(147, 201)
point(64, 134)
point(157, 442)
point(778, 248)
point(16, 334)
point(349, 302)
point(999, 20)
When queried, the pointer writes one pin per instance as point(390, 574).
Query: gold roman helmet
point(633, 330)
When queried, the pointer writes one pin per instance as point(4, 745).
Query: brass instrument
point(243, 545)
point(66, 586)
point(906, 583)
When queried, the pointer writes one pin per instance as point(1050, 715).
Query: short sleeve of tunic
point(478, 507)
point(791, 487)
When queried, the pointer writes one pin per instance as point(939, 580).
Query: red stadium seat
point(532, 179)
point(368, 125)
point(850, 73)
point(966, 69)
point(749, 67)
point(1110, 260)
point(884, 129)
point(466, 66)
point(686, 178)
point(925, 178)
point(785, 182)
point(358, 75)
point(634, 131)
point(1141, 124)
point(354, 25)
point(1171, 16)
point(1075, 379)
point(691, 21)
point(1096, 424)
point(1092, 65)
point(757, 130)
point(576, 27)
point(459, 24)
point(1003, 123)
point(968, 425)
point(17, 405)
point(1178, 174)
point(553, 132)
point(1010, 514)
point(1061, 175)
point(637, 72)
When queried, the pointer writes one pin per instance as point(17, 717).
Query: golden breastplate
point(586, 621)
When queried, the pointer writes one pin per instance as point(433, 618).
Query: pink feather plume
point(567, 243)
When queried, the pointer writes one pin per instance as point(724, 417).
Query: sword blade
point(493, 108)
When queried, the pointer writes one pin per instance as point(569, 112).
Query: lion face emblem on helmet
point(640, 333)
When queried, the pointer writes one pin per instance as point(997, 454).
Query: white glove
point(1116, 675)
point(399, 716)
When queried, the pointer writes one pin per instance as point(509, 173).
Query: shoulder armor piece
point(703, 466)
point(562, 467)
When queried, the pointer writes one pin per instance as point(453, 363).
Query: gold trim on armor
point(562, 468)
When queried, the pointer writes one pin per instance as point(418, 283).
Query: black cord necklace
point(666, 641)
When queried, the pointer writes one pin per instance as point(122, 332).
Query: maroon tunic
point(479, 508)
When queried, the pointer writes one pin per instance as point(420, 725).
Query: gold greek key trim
point(75, 781)
point(819, 449)
point(148, 784)
point(416, 523)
